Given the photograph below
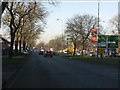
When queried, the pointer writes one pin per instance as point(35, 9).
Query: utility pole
point(98, 25)
point(62, 36)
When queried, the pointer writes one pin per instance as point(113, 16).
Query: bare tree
point(41, 44)
point(114, 23)
point(56, 43)
point(79, 29)
point(19, 10)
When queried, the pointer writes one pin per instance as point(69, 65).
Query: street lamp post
point(62, 33)
point(98, 26)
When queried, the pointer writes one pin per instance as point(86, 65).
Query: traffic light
point(69, 40)
point(94, 34)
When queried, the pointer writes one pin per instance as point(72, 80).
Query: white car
point(91, 54)
point(78, 53)
point(25, 52)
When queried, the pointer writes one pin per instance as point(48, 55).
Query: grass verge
point(14, 59)
point(108, 60)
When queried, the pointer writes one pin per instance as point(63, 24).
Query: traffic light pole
point(98, 27)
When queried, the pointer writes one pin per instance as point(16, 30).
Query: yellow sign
point(70, 49)
point(101, 50)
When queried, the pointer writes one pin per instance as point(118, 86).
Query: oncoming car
point(48, 53)
point(41, 52)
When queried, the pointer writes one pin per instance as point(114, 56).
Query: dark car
point(48, 54)
point(41, 52)
point(114, 54)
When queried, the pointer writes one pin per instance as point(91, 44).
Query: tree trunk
point(16, 45)
point(11, 45)
point(82, 48)
point(20, 41)
point(20, 46)
point(24, 44)
point(74, 51)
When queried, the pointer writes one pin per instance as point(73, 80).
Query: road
point(59, 72)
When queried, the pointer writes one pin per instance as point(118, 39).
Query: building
point(5, 44)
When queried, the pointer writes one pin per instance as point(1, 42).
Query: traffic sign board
point(102, 45)
point(113, 41)
point(102, 38)
point(107, 41)
point(101, 50)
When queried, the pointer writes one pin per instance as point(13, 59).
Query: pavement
point(9, 70)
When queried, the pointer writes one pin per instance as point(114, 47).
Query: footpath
point(10, 67)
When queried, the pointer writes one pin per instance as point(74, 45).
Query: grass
point(14, 59)
point(109, 60)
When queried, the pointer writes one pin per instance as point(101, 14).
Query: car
point(25, 52)
point(48, 53)
point(92, 54)
point(78, 53)
point(41, 52)
point(114, 54)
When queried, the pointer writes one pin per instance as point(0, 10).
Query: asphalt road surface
point(59, 72)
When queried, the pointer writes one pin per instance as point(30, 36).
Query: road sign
point(101, 50)
point(102, 45)
point(107, 41)
point(102, 39)
point(70, 49)
point(113, 41)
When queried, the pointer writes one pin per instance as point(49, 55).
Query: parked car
point(48, 53)
point(92, 54)
point(114, 54)
point(78, 53)
point(25, 52)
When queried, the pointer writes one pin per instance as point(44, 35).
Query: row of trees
point(115, 25)
point(79, 28)
point(56, 43)
point(78, 31)
point(22, 19)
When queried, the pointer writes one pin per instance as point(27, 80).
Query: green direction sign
point(107, 41)
point(113, 41)
point(102, 39)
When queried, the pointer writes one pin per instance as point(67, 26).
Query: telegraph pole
point(98, 25)
point(62, 33)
